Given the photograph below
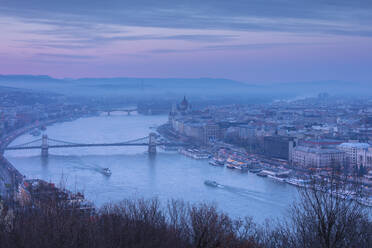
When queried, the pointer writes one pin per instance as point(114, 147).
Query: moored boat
point(217, 162)
point(194, 153)
point(262, 174)
point(280, 179)
point(296, 182)
point(255, 170)
point(234, 164)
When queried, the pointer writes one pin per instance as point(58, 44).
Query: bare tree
point(326, 217)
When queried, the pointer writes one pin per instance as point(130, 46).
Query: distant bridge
point(127, 110)
point(45, 143)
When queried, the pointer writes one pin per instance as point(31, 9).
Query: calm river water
point(135, 175)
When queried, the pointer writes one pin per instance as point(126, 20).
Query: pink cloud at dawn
point(249, 48)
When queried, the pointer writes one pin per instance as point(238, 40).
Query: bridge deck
point(89, 145)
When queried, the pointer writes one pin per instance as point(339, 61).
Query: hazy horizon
point(254, 42)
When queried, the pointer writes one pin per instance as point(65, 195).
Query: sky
point(255, 41)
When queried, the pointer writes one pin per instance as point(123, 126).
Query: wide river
point(134, 175)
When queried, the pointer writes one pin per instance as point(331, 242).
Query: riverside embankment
point(10, 177)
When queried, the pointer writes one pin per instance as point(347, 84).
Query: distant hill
point(150, 87)
point(169, 88)
point(331, 87)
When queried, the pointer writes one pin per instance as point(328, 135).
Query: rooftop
point(355, 145)
point(317, 150)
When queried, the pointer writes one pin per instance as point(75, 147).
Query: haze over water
point(135, 175)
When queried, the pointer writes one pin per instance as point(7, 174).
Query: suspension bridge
point(45, 143)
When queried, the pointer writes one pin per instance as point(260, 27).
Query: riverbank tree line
point(317, 220)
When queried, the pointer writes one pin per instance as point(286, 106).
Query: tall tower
point(44, 146)
point(183, 107)
point(152, 144)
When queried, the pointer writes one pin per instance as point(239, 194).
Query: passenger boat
point(262, 174)
point(212, 184)
point(194, 153)
point(217, 162)
point(234, 164)
point(241, 166)
point(255, 170)
point(230, 166)
point(201, 156)
point(280, 179)
point(106, 171)
point(297, 182)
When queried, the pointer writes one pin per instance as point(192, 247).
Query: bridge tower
point(152, 144)
point(44, 146)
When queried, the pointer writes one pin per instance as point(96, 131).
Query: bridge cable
point(25, 144)
point(64, 142)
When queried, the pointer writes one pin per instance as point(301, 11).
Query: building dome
point(184, 104)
